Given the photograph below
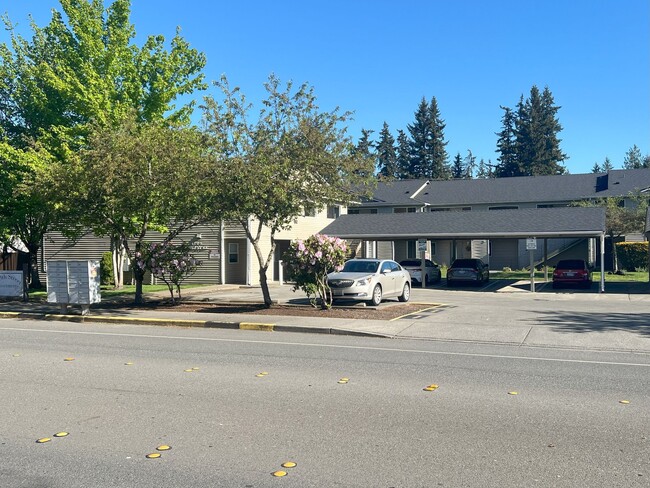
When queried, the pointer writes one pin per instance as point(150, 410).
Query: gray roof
point(542, 222)
point(540, 189)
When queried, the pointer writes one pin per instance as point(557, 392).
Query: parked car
point(370, 280)
point(414, 267)
point(572, 272)
point(468, 271)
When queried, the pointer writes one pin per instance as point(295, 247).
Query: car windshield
point(361, 267)
point(571, 264)
point(464, 263)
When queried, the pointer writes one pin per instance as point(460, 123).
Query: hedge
point(632, 255)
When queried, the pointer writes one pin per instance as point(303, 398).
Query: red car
point(572, 272)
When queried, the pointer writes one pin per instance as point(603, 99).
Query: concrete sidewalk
point(563, 320)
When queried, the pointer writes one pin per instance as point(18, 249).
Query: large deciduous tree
point(81, 69)
point(140, 177)
point(271, 166)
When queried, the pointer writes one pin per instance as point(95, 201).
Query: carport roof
point(541, 222)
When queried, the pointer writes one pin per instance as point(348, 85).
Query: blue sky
point(379, 58)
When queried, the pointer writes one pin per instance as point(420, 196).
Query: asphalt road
point(229, 427)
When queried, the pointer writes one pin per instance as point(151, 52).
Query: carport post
point(602, 262)
point(545, 259)
point(532, 270)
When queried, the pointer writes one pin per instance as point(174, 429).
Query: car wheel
point(376, 295)
point(406, 293)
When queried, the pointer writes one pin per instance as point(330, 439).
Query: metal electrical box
point(71, 282)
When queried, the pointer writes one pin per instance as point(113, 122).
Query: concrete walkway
point(567, 319)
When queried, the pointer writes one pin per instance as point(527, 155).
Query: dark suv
point(468, 271)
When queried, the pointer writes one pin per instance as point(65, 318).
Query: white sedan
point(370, 280)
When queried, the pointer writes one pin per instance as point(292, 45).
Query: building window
point(551, 205)
point(309, 212)
point(404, 210)
point(333, 211)
point(373, 210)
point(411, 247)
point(450, 209)
point(233, 252)
point(353, 211)
point(433, 248)
point(505, 207)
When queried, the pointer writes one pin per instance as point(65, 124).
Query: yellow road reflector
point(195, 369)
point(341, 382)
point(428, 388)
point(188, 370)
point(128, 364)
point(163, 448)
point(61, 434)
point(43, 440)
point(153, 455)
point(513, 393)
point(279, 473)
point(68, 359)
point(624, 402)
point(344, 379)
point(289, 464)
point(16, 355)
point(263, 373)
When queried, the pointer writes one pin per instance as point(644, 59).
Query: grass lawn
point(128, 290)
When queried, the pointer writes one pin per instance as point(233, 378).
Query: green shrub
point(632, 255)
point(106, 269)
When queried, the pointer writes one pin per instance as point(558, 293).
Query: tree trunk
point(138, 274)
point(265, 288)
point(35, 281)
point(614, 257)
point(119, 252)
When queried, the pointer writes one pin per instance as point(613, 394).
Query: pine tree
point(457, 167)
point(607, 165)
point(633, 158)
point(386, 154)
point(403, 151)
point(596, 168)
point(508, 164)
point(536, 146)
point(428, 156)
point(483, 170)
point(470, 165)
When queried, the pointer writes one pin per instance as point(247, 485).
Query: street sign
point(422, 244)
point(531, 244)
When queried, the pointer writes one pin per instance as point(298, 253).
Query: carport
point(539, 223)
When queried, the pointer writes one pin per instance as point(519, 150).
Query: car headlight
point(363, 282)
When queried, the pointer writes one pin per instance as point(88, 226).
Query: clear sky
point(379, 58)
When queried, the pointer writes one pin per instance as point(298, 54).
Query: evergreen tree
point(365, 146)
point(633, 158)
point(403, 158)
point(470, 165)
point(483, 170)
point(457, 167)
point(428, 156)
point(528, 143)
point(607, 165)
point(508, 164)
point(386, 154)
point(596, 168)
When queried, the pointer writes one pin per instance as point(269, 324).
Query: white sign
point(11, 283)
point(531, 244)
point(422, 244)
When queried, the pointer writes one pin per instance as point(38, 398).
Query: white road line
point(332, 346)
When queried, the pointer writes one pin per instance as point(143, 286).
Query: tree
point(596, 168)
point(386, 154)
point(619, 218)
point(428, 156)
point(470, 165)
point(457, 167)
point(633, 158)
point(403, 151)
point(83, 69)
point(508, 162)
point(528, 143)
point(137, 178)
point(607, 165)
point(292, 156)
point(484, 169)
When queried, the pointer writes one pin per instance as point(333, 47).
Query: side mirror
point(386, 271)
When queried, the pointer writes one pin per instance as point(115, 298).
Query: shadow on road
point(595, 322)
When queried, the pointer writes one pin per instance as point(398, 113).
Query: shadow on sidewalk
point(596, 322)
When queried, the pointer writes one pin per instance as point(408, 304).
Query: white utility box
point(71, 282)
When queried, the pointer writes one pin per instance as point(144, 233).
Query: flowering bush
point(308, 262)
point(171, 263)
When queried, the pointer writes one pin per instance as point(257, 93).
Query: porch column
point(602, 262)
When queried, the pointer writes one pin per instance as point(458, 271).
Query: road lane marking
point(335, 346)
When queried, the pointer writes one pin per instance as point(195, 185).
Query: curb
point(208, 324)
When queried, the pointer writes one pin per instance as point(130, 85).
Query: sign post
point(531, 246)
